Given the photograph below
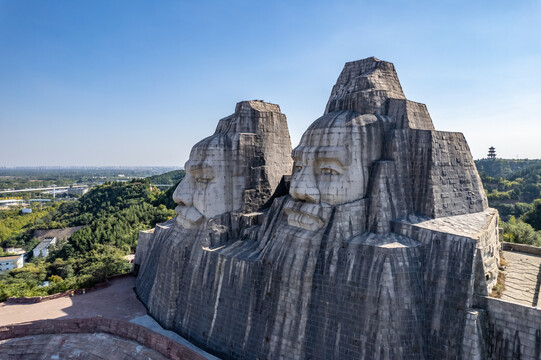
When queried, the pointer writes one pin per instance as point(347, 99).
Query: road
point(41, 189)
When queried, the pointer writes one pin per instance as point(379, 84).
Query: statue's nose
point(303, 185)
point(183, 194)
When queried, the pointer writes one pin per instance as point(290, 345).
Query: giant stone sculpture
point(376, 251)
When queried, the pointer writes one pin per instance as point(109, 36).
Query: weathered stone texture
point(364, 86)
point(453, 255)
point(409, 114)
point(143, 242)
point(376, 252)
point(438, 173)
point(510, 331)
point(239, 166)
point(88, 338)
point(263, 153)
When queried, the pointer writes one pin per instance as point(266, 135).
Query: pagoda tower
point(491, 153)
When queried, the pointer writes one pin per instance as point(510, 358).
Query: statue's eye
point(329, 171)
point(298, 168)
point(201, 180)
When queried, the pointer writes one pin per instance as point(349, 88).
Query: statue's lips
point(305, 215)
point(188, 215)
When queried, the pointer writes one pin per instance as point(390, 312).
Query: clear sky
point(127, 82)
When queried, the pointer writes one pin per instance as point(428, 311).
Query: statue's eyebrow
point(321, 153)
point(334, 160)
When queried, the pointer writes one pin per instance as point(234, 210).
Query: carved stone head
point(332, 164)
point(237, 168)
point(205, 191)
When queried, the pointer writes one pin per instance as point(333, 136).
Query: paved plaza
point(117, 301)
point(522, 278)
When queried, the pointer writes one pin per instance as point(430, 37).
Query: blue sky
point(127, 82)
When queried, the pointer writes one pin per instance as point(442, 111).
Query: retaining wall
point(529, 249)
point(512, 331)
point(120, 328)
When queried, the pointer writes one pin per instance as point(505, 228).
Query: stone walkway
point(117, 301)
point(522, 278)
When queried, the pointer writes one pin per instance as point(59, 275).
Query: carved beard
point(314, 217)
point(307, 216)
point(290, 246)
point(188, 216)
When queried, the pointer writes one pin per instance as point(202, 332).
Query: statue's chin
point(188, 217)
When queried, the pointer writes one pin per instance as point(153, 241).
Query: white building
point(11, 202)
point(11, 262)
point(42, 249)
point(78, 190)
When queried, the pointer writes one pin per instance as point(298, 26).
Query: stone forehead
point(342, 119)
point(211, 150)
point(341, 153)
point(213, 142)
point(340, 128)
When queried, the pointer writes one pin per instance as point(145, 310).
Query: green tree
point(533, 216)
point(520, 232)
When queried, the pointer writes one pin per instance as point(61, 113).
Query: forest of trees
point(113, 214)
point(513, 187)
point(170, 178)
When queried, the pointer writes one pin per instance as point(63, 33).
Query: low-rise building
point(77, 190)
point(11, 202)
point(26, 211)
point(42, 249)
point(11, 262)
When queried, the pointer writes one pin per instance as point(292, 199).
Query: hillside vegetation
point(513, 187)
point(113, 212)
point(169, 178)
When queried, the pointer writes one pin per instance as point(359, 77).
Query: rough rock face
point(238, 167)
point(364, 86)
point(377, 251)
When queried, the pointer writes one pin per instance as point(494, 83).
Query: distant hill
point(168, 178)
point(504, 168)
point(511, 185)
